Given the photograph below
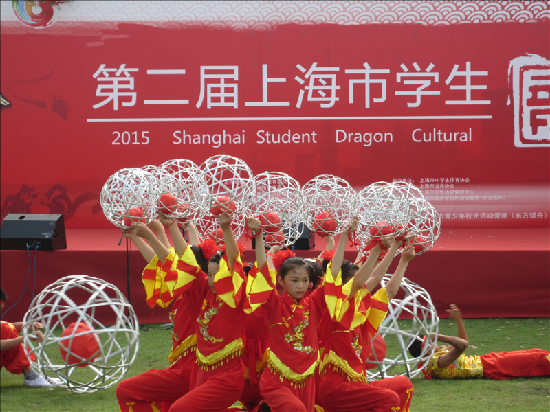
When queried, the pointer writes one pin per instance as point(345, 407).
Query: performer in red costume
point(12, 354)
point(451, 363)
point(288, 382)
point(343, 385)
point(220, 324)
point(254, 357)
point(159, 388)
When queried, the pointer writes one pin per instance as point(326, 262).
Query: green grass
point(475, 395)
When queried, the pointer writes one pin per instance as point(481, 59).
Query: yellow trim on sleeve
point(215, 359)
point(236, 278)
point(277, 366)
point(334, 303)
point(259, 284)
point(331, 359)
point(358, 317)
point(377, 316)
point(158, 283)
point(185, 347)
point(260, 364)
point(184, 278)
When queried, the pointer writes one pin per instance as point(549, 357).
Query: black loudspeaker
point(306, 239)
point(304, 242)
point(19, 232)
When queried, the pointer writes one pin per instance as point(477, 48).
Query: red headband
point(280, 257)
point(328, 255)
point(208, 248)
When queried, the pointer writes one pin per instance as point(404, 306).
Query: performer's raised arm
point(458, 343)
point(382, 268)
point(393, 284)
point(157, 227)
point(336, 262)
point(179, 242)
point(141, 230)
point(256, 226)
point(232, 250)
point(191, 230)
point(145, 250)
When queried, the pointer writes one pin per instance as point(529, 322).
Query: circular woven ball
point(408, 190)
point(424, 225)
point(176, 189)
point(209, 228)
point(410, 314)
point(150, 169)
point(128, 197)
point(329, 204)
point(91, 333)
point(226, 180)
point(383, 209)
point(278, 205)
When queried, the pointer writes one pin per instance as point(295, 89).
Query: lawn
point(480, 395)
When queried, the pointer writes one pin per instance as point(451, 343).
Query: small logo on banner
point(530, 77)
point(37, 14)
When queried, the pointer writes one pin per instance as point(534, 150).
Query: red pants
point(14, 359)
point(336, 394)
point(215, 390)
point(250, 395)
point(402, 386)
point(149, 391)
point(521, 363)
point(282, 397)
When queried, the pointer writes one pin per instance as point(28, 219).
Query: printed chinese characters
point(219, 86)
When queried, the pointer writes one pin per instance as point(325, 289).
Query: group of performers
point(285, 334)
point(278, 336)
point(240, 344)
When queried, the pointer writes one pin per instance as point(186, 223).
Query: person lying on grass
point(450, 362)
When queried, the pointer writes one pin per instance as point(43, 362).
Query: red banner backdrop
point(460, 110)
point(453, 97)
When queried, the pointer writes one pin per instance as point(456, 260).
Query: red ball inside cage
point(381, 229)
point(83, 344)
point(275, 239)
point(222, 204)
point(324, 224)
point(134, 215)
point(167, 204)
point(217, 236)
point(419, 244)
point(270, 221)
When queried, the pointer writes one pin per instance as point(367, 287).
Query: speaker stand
point(141, 327)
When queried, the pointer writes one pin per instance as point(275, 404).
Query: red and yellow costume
point(499, 366)
point(255, 357)
point(157, 389)
point(288, 383)
point(14, 359)
point(220, 333)
point(346, 345)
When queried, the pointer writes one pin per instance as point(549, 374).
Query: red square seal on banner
point(531, 93)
